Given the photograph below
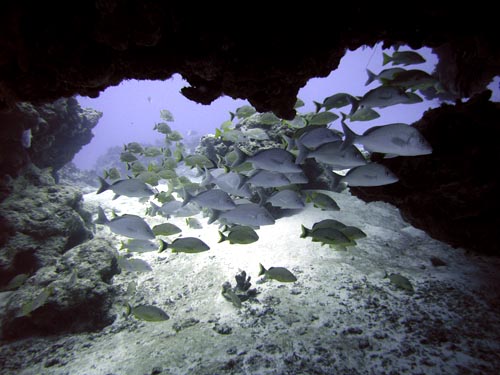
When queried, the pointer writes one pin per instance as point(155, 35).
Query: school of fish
point(244, 190)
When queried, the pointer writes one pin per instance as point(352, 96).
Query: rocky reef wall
point(59, 275)
point(55, 132)
point(452, 194)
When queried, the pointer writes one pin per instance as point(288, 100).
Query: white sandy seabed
point(341, 316)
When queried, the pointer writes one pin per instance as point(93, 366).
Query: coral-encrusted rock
point(59, 130)
point(40, 222)
point(454, 193)
point(76, 294)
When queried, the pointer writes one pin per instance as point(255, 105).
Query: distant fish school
point(243, 189)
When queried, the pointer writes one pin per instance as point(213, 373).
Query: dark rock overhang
point(50, 50)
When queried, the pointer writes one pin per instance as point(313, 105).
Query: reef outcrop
point(40, 222)
point(73, 295)
point(56, 132)
point(453, 193)
point(47, 243)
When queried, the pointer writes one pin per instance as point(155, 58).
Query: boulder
point(40, 222)
point(72, 295)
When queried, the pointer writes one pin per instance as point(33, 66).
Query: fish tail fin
point(386, 58)
point(101, 216)
point(222, 237)
point(104, 185)
point(288, 141)
point(350, 136)
point(243, 181)
point(208, 179)
point(318, 106)
point(214, 216)
point(106, 173)
point(241, 156)
point(440, 89)
point(303, 152)
point(180, 157)
point(187, 198)
point(262, 196)
point(163, 246)
point(354, 104)
point(154, 208)
point(262, 270)
point(305, 231)
point(371, 77)
point(218, 133)
point(336, 180)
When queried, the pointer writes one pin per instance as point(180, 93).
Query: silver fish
point(250, 214)
point(318, 136)
point(131, 187)
point(149, 313)
point(400, 281)
point(233, 183)
point(372, 174)
point(131, 226)
point(412, 79)
point(382, 96)
point(142, 246)
point(134, 265)
point(188, 245)
point(288, 199)
point(312, 140)
point(393, 139)
point(403, 57)
point(193, 223)
point(384, 74)
point(334, 101)
point(297, 178)
point(333, 154)
point(239, 235)
point(326, 235)
point(273, 159)
point(214, 198)
point(267, 179)
point(277, 273)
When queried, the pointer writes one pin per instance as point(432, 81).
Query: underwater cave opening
point(131, 109)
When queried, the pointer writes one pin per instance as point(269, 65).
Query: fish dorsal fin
point(372, 129)
point(350, 137)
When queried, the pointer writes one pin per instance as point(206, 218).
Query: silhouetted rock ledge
point(53, 50)
point(452, 194)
